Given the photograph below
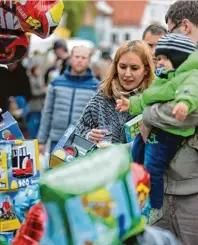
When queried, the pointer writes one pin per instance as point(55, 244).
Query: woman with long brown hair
point(131, 72)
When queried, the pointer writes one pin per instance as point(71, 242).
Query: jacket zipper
point(71, 107)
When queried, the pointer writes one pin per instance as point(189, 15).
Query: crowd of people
point(156, 77)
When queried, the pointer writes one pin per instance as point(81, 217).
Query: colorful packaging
point(69, 147)
point(92, 200)
point(8, 218)
point(24, 199)
point(9, 129)
point(7, 237)
point(132, 128)
point(19, 164)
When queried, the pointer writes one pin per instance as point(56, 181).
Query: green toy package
point(92, 201)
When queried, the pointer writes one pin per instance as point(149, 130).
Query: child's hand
point(123, 104)
point(180, 111)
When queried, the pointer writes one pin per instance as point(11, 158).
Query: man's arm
point(160, 116)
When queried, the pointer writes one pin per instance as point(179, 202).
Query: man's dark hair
point(183, 10)
point(155, 29)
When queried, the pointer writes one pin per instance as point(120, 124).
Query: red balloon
point(13, 47)
point(17, 17)
point(39, 17)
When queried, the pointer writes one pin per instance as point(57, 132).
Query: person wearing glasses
point(182, 18)
point(180, 207)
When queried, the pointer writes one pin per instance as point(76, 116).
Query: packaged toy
point(132, 128)
point(92, 201)
point(9, 129)
point(19, 164)
point(8, 218)
point(70, 147)
point(6, 238)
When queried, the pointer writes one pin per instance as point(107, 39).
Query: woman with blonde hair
point(131, 72)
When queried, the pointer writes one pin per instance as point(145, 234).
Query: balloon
point(18, 17)
point(13, 47)
point(39, 17)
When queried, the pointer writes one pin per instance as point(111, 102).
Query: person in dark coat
point(15, 82)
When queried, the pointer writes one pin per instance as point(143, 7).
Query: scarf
point(119, 91)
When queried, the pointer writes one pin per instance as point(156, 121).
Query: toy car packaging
point(19, 164)
point(8, 218)
point(9, 129)
point(132, 128)
point(19, 17)
point(70, 147)
point(92, 200)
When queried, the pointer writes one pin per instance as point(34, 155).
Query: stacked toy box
point(19, 168)
point(132, 128)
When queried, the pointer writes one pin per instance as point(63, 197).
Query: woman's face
point(130, 71)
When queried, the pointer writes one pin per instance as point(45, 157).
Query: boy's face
point(162, 60)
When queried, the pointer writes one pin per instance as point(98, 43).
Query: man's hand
point(42, 148)
point(145, 131)
point(123, 104)
point(180, 111)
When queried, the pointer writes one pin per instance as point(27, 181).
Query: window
point(114, 38)
point(127, 36)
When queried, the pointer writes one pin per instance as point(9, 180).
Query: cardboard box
point(8, 237)
point(132, 128)
point(8, 218)
point(69, 147)
point(19, 164)
point(9, 129)
point(92, 201)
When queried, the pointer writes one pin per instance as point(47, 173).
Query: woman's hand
point(96, 135)
point(123, 104)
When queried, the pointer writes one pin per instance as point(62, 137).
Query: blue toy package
point(19, 164)
point(24, 199)
point(7, 237)
point(103, 216)
point(9, 129)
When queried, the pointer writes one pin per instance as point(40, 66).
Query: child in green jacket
point(179, 83)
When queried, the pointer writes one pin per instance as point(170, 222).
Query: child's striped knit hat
point(176, 47)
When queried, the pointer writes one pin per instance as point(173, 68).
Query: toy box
point(7, 237)
point(9, 129)
point(91, 201)
point(19, 164)
point(8, 218)
point(132, 128)
point(69, 147)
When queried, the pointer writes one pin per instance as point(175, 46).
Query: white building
point(118, 21)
